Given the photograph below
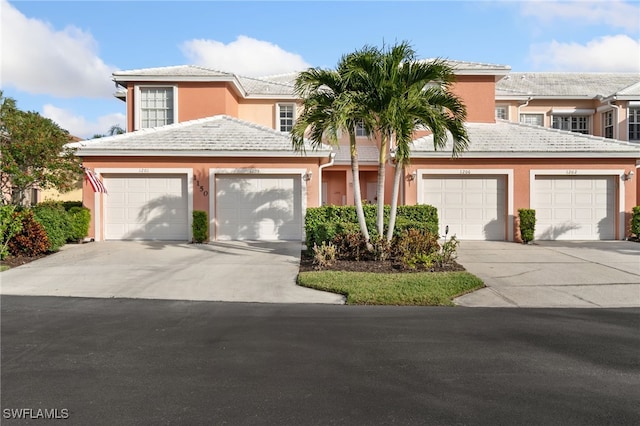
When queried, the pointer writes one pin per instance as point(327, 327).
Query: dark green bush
point(79, 218)
point(32, 240)
point(200, 226)
point(527, 224)
point(635, 221)
point(55, 220)
point(68, 205)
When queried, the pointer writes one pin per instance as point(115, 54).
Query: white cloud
point(618, 53)
point(39, 59)
point(245, 56)
point(79, 126)
point(614, 13)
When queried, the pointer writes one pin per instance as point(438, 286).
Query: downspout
point(524, 105)
point(332, 157)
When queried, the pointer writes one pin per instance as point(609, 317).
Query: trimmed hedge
point(322, 224)
point(79, 218)
point(200, 226)
point(527, 224)
point(635, 221)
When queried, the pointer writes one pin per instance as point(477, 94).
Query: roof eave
point(198, 153)
point(524, 154)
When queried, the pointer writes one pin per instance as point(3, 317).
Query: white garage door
point(264, 207)
point(149, 207)
point(574, 207)
point(472, 206)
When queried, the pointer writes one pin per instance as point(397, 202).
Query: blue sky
point(57, 57)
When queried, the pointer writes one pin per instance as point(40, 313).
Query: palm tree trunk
point(355, 170)
point(397, 177)
point(382, 164)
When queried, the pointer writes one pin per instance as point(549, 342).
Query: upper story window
point(634, 124)
point(534, 119)
point(286, 115)
point(156, 106)
point(361, 131)
point(502, 112)
point(607, 124)
point(572, 123)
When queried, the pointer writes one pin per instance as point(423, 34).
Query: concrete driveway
point(221, 271)
point(553, 273)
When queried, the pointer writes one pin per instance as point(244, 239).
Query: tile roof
point(174, 71)
point(218, 135)
point(366, 154)
point(508, 139)
point(473, 66)
point(588, 85)
point(260, 86)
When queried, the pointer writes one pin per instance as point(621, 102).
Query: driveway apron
point(220, 271)
point(553, 273)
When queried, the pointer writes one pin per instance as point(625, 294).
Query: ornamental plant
point(527, 224)
point(200, 226)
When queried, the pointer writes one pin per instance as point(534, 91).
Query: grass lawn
point(368, 288)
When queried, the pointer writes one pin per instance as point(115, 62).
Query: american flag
point(95, 181)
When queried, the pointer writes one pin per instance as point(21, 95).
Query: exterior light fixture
point(412, 176)
point(307, 176)
point(627, 176)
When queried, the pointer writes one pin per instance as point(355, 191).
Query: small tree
point(34, 154)
point(10, 225)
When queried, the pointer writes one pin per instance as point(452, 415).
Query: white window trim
point(635, 106)
point(541, 114)
point(506, 111)
point(98, 198)
point(614, 122)
point(277, 117)
point(361, 126)
point(575, 114)
point(138, 95)
point(421, 173)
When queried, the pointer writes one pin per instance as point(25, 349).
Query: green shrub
point(55, 220)
point(32, 240)
point(416, 247)
point(68, 205)
point(79, 218)
point(200, 226)
point(448, 253)
point(10, 225)
point(635, 221)
point(351, 246)
point(527, 224)
point(322, 222)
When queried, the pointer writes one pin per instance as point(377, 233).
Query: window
point(607, 124)
point(286, 113)
point(634, 124)
point(501, 112)
point(572, 123)
point(534, 119)
point(156, 106)
point(361, 131)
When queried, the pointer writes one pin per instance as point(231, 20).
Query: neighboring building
point(201, 139)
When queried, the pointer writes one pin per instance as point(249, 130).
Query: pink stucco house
point(567, 145)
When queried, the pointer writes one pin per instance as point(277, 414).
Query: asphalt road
point(139, 362)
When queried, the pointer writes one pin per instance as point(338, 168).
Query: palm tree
point(331, 105)
point(403, 95)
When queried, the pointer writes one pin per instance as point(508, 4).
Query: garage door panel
point(149, 207)
point(474, 207)
point(583, 207)
point(264, 207)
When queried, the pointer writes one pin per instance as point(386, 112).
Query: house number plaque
point(201, 188)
